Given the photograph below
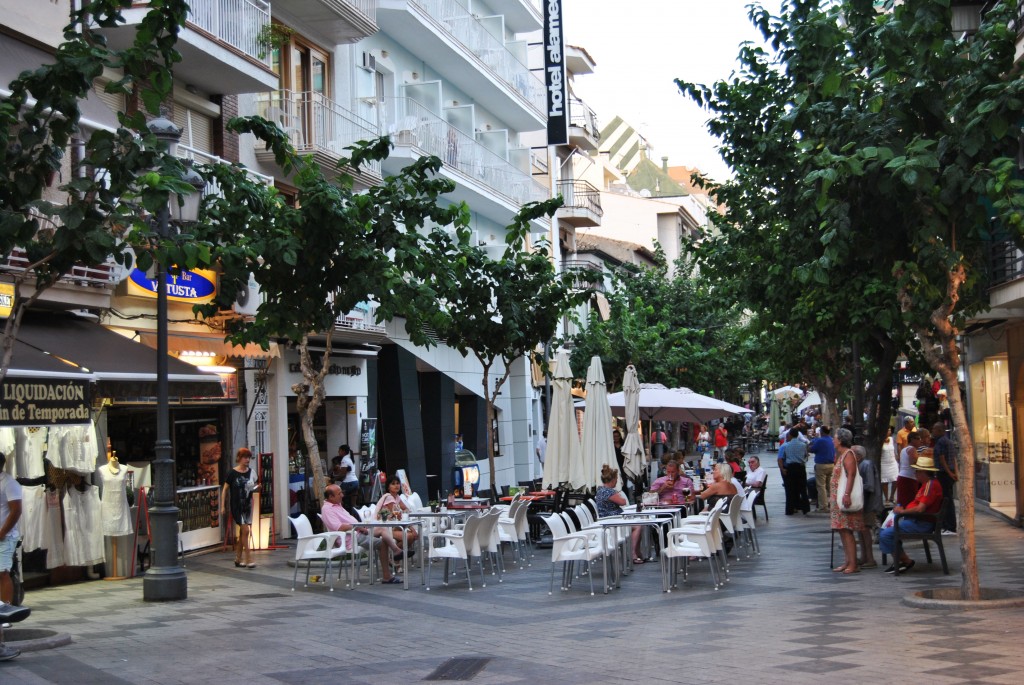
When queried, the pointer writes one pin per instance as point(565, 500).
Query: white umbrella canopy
point(633, 445)
point(813, 399)
point(597, 448)
point(787, 392)
point(658, 403)
point(563, 438)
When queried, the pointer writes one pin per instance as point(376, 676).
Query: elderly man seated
point(673, 487)
point(337, 518)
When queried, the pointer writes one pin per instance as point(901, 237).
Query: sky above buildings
point(640, 47)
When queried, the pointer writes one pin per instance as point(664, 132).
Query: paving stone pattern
point(783, 618)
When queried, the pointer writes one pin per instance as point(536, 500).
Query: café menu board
point(26, 401)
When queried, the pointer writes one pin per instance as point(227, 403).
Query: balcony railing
point(581, 115)
point(362, 318)
point(408, 122)
point(1007, 263)
point(367, 7)
point(581, 195)
point(98, 276)
point(453, 17)
point(239, 23)
point(201, 157)
point(315, 123)
point(587, 275)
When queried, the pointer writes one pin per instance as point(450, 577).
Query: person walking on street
point(792, 458)
point(944, 454)
point(239, 485)
point(10, 514)
point(824, 451)
point(846, 523)
point(721, 441)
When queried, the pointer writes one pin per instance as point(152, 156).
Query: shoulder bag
point(856, 494)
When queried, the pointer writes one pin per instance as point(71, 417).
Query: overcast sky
point(640, 46)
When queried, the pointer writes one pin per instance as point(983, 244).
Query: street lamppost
point(165, 579)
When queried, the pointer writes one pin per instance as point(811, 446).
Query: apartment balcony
point(488, 182)
point(359, 325)
point(464, 50)
point(588, 275)
point(318, 126)
point(523, 16)
point(582, 204)
point(220, 45)
point(343, 21)
point(583, 130)
point(200, 157)
point(1006, 276)
point(84, 287)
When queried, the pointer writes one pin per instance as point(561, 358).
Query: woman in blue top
point(610, 501)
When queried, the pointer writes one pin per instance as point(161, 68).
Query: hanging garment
point(29, 452)
point(78, 449)
point(83, 536)
point(54, 538)
point(33, 517)
point(114, 511)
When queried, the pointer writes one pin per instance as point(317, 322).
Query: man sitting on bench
point(927, 501)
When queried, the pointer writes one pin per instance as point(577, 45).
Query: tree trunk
point(490, 398)
point(308, 404)
point(940, 350)
point(879, 405)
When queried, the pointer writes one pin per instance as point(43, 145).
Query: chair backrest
point(520, 519)
point(471, 535)
point(557, 525)
point(583, 513)
point(303, 528)
point(735, 502)
point(572, 520)
point(748, 500)
point(486, 533)
point(592, 507)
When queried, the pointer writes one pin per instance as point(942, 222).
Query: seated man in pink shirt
point(337, 518)
point(673, 487)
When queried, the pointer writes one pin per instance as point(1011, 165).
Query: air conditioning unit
point(248, 299)
point(369, 61)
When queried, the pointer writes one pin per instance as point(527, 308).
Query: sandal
point(637, 560)
point(848, 572)
point(393, 580)
point(839, 569)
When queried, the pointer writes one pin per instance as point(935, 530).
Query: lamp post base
point(164, 585)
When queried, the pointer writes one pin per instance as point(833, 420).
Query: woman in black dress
point(238, 488)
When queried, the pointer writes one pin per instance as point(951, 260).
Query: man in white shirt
point(756, 474)
point(542, 448)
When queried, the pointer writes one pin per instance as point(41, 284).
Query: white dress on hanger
point(31, 447)
point(33, 517)
point(54, 538)
point(114, 511)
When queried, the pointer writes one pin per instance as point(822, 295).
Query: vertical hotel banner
point(554, 74)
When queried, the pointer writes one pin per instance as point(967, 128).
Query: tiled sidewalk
point(783, 618)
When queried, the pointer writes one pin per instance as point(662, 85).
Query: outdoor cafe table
point(405, 523)
point(608, 525)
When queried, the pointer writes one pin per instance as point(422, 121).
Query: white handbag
point(856, 493)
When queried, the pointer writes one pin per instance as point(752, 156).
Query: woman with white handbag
point(846, 500)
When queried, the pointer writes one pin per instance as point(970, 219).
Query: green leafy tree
point(495, 309)
point(316, 260)
point(118, 179)
point(893, 136)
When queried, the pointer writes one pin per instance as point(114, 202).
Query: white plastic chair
point(750, 520)
point(734, 522)
point(695, 524)
point(488, 543)
point(310, 547)
point(691, 541)
point(456, 544)
point(513, 529)
point(569, 548)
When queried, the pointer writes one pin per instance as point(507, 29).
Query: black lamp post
point(165, 579)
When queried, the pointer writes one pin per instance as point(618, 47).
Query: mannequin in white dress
point(114, 510)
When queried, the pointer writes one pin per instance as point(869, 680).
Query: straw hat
point(925, 464)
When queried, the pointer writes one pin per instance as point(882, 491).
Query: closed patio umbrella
point(633, 445)
point(563, 438)
point(597, 448)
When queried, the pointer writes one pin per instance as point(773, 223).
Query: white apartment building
point(458, 79)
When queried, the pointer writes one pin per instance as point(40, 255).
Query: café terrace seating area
point(467, 544)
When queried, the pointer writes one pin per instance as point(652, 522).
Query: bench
point(934, 536)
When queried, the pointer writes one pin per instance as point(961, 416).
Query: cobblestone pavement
point(783, 618)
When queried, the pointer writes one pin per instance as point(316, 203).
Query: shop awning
point(179, 343)
point(122, 367)
point(28, 361)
